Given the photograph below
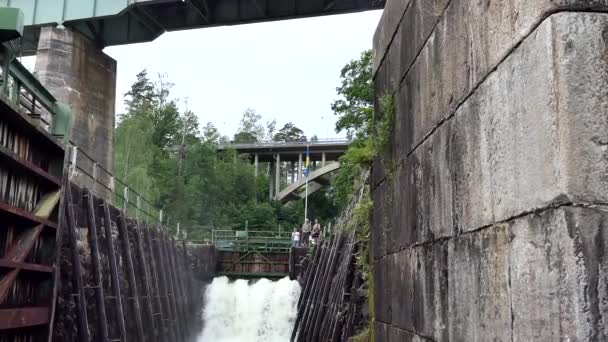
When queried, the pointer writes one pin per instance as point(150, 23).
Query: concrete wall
point(494, 223)
point(79, 74)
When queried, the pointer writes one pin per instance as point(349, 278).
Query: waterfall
point(243, 311)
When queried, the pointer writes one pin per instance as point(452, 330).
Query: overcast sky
point(286, 70)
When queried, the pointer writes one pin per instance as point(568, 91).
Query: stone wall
point(79, 74)
point(491, 222)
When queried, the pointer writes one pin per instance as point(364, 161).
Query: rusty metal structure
point(31, 178)
point(252, 254)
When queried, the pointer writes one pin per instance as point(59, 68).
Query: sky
point(288, 70)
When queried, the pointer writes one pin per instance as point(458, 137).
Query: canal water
point(242, 311)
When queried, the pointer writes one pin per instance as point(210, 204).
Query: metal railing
point(111, 187)
point(251, 241)
point(270, 143)
point(24, 90)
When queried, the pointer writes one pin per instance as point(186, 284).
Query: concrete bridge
point(286, 163)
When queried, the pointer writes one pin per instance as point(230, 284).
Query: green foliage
point(288, 133)
point(250, 128)
point(383, 129)
point(356, 115)
point(355, 110)
point(357, 158)
point(161, 153)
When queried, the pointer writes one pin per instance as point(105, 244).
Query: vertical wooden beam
point(179, 294)
point(147, 292)
point(98, 286)
point(189, 286)
point(116, 291)
point(162, 272)
point(171, 286)
point(128, 261)
point(81, 304)
point(160, 330)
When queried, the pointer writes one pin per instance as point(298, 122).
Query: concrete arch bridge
point(285, 164)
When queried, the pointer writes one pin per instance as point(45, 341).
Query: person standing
point(316, 232)
point(306, 232)
point(295, 238)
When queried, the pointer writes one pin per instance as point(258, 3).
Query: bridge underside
point(113, 22)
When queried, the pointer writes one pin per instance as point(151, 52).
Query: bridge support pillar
point(323, 157)
point(277, 175)
point(270, 180)
point(299, 166)
point(79, 74)
point(256, 162)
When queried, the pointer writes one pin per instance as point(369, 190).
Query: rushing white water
point(241, 311)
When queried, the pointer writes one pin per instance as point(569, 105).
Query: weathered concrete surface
point(77, 73)
point(490, 205)
point(559, 275)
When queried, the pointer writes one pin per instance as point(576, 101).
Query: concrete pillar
point(299, 166)
point(292, 171)
point(256, 162)
point(322, 159)
point(491, 204)
point(277, 175)
point(79, 74)
point(271, 180)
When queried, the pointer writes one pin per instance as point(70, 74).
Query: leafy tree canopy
point(356, 107)
point(288, 133)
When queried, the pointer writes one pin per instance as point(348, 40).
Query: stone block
point(381, 331)
point(430, 296)
point(402, 280)
point(384, 272)
point(533, 134)
point(470, 40)
point(389, 22)
point(382, 219)
point(479, 307)
point(559, 275)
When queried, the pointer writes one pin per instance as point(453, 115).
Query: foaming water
point(241, 311)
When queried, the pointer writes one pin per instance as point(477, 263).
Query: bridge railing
point(270, 143)
point(112, 188)
point(251, 241)
point(22, 89)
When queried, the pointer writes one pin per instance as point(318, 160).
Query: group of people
point(307, 235)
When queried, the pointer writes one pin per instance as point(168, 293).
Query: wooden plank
point(116, 290)
point(24, 266)
point(171, 284)
point(180, 314)
point(83, 324)
point(146, 288)
point(8, 211)
point(23, 317)
point(100, 307)
point(162, 267)
point(128, 261)
point(14, 161)
point(161, 330)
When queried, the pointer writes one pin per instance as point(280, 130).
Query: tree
point(271, 126)
point(288, 133)
point(250, 128)
point(211, 134)
point(355, 109)
point(142, 95)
